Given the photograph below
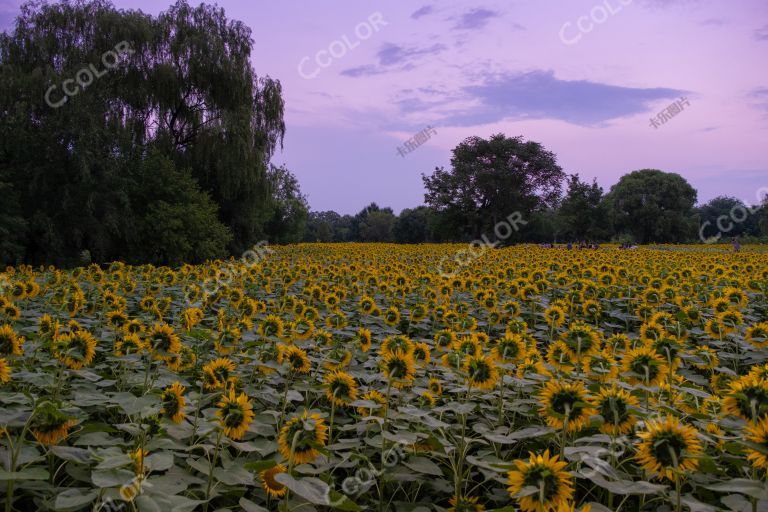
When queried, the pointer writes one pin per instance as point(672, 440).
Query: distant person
point(736, 244)
point(570, 246)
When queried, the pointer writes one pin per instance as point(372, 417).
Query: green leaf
point(73, 499)
point(423, 465)
point(751, 488)
point(71, 454)
point(260, 465)
point(317, 492)
point(250, 506)
point(27, 474)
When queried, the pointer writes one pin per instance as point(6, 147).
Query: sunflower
point(509, 349)
point(418, 312)
point(340, 388)
point(47, 326)
point(468, 346)
point(421, 354)
point(49, 425)
point(704, 358)
point(363, 337)
point(367, 304)
point(75, 349)
point(427, 399)
point(614, 405)
point(645, 366)
point(398, 367)
point(747, 398)
point(396, 343)
point(235, 414)
point(129, 344)
point(373, 396)
point(301, 436)
point(163, 341)
point(173, 402)
point(554, 315)
point(465, 504)
point(756, 432)
point(10, 342)
point(715, 328)
point(295, 357)
point(273, 488)
point(217, 373)
point(392, 316)
point(650, 331)
point(545, 474)
point(559, 356)
point(338, 358)
point(322, 337)
point(302, 328)
point(117, 319)
point(591, 309)
point(183, 361)
point(565, 405)
point(668, 446)
point(481, 371)
point(730, 320)
point(531, 366)
point(601, 367)
point(190, 317)
point(134, 326)
point(12, 312)
point(227, 340)
point(581, 340)
point(757, 335)
point(5, 371)
point(272, 325)
point(435, 386)
point(517, 326)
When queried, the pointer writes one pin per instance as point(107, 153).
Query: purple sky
point(582, 77)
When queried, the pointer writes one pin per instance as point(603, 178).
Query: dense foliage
point(177, 97)
point(362, 375)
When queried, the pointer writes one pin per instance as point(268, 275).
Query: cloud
point(392, 54)
point(474, 19)
point(714, 22)
point(760, 97)
point(540, 95)
point(424, 11)
point(367, 70)
point(761, 34)
point(393, 57)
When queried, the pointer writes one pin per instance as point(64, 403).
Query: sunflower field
point(361, 377)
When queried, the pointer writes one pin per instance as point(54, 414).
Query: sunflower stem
point(383, 429)
point(210, 473)
point(294, 441)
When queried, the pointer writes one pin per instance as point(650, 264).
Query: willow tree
point(88, 92)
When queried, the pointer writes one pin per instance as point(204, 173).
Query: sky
point(609, 86)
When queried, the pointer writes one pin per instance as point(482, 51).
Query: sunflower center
point(567, 401)
point(479, 371)
point(232, 416)
point(752, 401)
point(541, 477)
point(645, 365)
point(668, 448)
point(397, 368)
point(614, 410)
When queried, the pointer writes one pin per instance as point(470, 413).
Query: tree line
point(161, 153)
point(489, 179)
